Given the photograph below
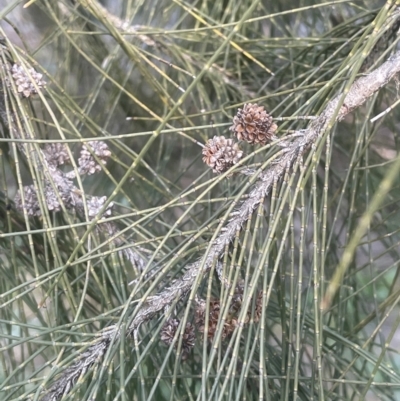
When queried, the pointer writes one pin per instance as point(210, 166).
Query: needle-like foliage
point(199, 200)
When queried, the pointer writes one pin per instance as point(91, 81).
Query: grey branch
point(359, 92)
point(70, 376)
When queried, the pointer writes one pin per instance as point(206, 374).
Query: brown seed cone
point(253, 125)
point(189, 336)
point(220, 153)
point(168, 331)
point(214, 311)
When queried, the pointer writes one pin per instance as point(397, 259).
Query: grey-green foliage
point(179, 70)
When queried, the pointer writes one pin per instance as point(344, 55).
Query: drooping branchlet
point(253, 125)
point(220, 153)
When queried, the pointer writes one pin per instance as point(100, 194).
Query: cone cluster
point(220, 153)
point(168, 331)
point(32, 204)
point(232, 318)
point(24, 82)
point(55, 195)
point(253, 125)
point(87, 163)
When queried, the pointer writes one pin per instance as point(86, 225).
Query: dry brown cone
point(189, 336)
point(221, 153)
point(168, 331)
point(214, 311)
point(253, 125)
